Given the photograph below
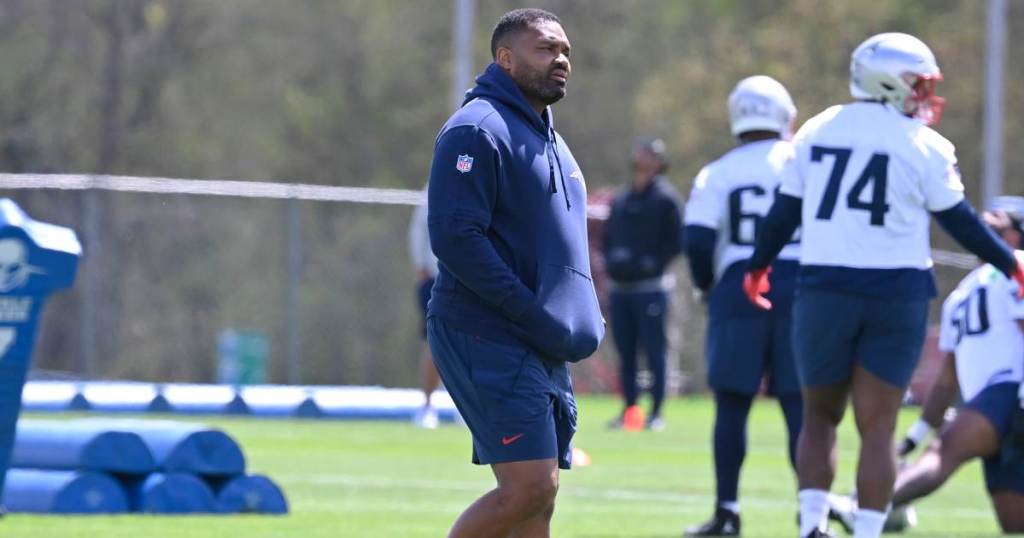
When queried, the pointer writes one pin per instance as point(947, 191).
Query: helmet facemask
point(922, 102)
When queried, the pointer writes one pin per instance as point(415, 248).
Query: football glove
point(755, 285)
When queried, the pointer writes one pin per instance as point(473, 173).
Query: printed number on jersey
point(970, 316)
point(866, 194)
point(747, 206)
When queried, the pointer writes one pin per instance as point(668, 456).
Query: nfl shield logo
point(464, 164)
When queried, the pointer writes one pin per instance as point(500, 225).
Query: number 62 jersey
point(979, 326)
point(733, 194)
point(868, 177)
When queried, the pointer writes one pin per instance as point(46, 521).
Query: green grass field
point(392, 480)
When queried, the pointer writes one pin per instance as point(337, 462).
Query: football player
point(982, 339)
point(744, 344)
point(865, 179)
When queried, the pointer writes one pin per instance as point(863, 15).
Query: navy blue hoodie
point(507, 217)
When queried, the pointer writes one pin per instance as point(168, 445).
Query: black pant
point(638, 318)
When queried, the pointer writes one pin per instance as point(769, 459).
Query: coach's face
point(538, 60)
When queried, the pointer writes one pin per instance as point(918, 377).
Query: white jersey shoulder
point(868, 177)
point(733, 194)
point(979, 326)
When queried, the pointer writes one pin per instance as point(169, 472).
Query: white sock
point(813, 510)
point(732, 506)
point(868, 523)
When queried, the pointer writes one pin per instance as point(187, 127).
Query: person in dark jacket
point(642, 237)
point(514, 302)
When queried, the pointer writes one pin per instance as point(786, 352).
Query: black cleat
point(818, 533)
point(723, 523)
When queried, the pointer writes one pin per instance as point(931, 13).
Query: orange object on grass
point(633, 418)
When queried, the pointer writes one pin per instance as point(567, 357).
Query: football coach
point(514, 301)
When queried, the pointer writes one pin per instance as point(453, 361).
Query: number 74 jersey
point(979, 325)
point(868, 177)
point(733, 194)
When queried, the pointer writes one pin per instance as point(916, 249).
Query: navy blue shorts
point(832, 331)
point(517, 406)
point(740, 351)
point(423, 296)
point(997, 403)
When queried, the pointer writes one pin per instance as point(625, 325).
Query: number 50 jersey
point(868, 177)
point(979, 325)
point(733, 194)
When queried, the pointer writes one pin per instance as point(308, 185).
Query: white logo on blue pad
point(14, 268)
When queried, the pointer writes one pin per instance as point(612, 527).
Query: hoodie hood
point(495, 83)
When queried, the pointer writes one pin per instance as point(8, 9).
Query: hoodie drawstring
point(551, 171)
point(553, 143)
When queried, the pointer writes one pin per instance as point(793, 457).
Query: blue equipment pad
point(183, 447)
point(63, 492)
point(171, 493)
point(255, 494)
point(76, 445)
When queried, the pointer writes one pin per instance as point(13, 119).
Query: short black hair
point(516, 21)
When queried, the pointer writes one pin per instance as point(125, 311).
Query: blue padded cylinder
point(63, 492)
point(184, 447)
point(74, 445)
point(171, 493)
point(250, 494)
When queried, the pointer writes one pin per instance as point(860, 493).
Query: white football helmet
point(898, 69)
point(761, 103)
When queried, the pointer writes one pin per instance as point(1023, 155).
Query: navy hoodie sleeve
point(459, 213)
point(962, 224)
point(460, 204)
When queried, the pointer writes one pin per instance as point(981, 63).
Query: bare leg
point(970, 436)
point(816, 448)
point(429, 380)
point(537, 527)
point(875, 407)
point(1009, 507)
point(526, 490)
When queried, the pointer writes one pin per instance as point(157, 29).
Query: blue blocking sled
point(36, 259)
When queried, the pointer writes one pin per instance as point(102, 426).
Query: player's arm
point(943, 192)
point(459, 208)
point(776, 230)
point(962, 224)
point(699, 244)
point(933, 411)
point(704, 214)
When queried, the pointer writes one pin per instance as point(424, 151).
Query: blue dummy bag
point(36, 259)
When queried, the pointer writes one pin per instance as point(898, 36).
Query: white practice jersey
point(733, 194)
point(979, 326)
point(868, 177)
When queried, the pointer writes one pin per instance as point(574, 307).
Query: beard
point(538, 85)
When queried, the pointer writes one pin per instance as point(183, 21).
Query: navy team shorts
point(832, 331)
point(517, 406)
point(741, 350)
point(1005, 470)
